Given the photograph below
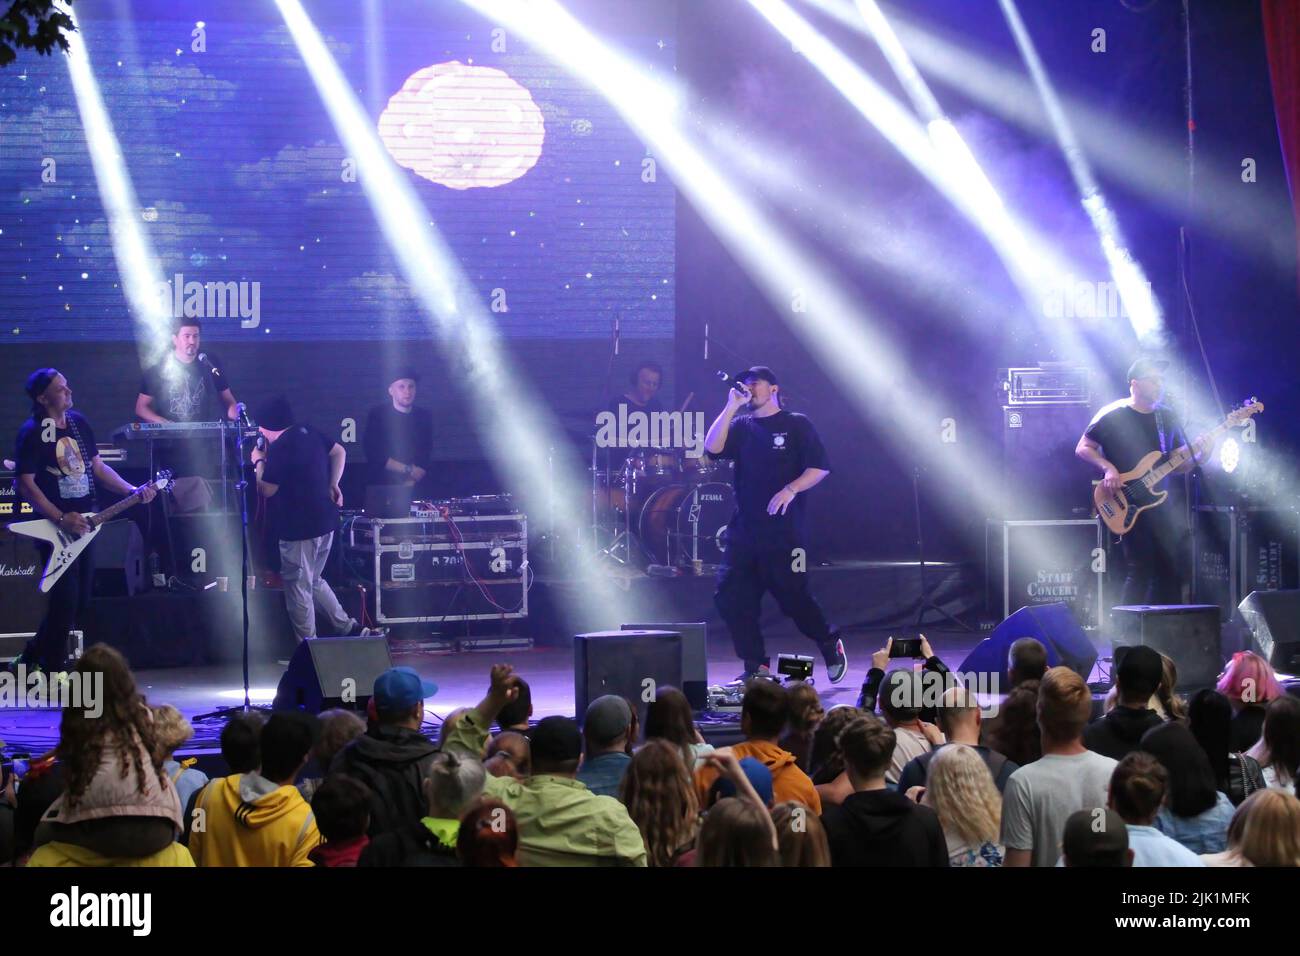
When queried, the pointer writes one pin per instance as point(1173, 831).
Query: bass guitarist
point(1116, 440)
point(58, 471)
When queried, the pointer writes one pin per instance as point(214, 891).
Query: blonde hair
point(1266, 829)
point(659, 794)
point(170, 728)
point(961, 790)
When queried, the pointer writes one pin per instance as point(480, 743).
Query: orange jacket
point(788, 781)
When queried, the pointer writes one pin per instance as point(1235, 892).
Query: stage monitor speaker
point(1274, 621)
point(327, 672)
point(621, 662)
point(119, 560)
point(695, 658)
point(1053, 625)
point(1188, 634)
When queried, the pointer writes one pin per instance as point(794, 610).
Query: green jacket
point(561, 822)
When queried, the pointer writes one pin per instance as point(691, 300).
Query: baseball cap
point(274, 414)
point(1144, 366)
point(759, 371)
point(760, 778)
point(39, 381)
point(607, 718)
point(402, 373)
point(555, 740)
point(1140, 667)
point(1095, 838)
point(401, 688)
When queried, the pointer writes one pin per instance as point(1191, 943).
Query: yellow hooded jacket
point(247, 820)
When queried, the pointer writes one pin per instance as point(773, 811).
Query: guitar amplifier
point(22, 603)
point(1243, 550)
point(1038, 444)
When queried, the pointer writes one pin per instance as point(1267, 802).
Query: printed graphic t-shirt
point(62, 468)
point(191, 393)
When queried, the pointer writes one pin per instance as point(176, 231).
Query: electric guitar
point(1138, 487)
point(67, 546)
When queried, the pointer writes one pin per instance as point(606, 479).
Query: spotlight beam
point(517, 436)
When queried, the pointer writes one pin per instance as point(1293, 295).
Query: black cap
point(402, 373)
point(1096, 837)
point(1140, 668)
point(1144, 366)
point(555, 740)
point(274, 414)
point(761, 372)
point(39, 381)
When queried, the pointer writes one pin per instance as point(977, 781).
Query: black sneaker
point(763, 673)
point(837, 662)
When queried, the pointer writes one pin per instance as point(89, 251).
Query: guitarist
point(58, 471)
point(1118, 437)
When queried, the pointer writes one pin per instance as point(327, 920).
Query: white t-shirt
point(1272, 781)
point(1040, 797)
point(908, 744)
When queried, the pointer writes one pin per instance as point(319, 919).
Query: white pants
point(302, 567)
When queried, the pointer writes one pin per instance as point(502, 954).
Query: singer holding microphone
point(779, 457)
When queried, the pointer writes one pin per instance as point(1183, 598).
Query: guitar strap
point(87, 456)
point(1160, 430)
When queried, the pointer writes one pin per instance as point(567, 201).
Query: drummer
point(642, 396)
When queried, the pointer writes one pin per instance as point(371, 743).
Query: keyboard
point(149, 431)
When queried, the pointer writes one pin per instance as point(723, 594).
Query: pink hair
point(1249, 675)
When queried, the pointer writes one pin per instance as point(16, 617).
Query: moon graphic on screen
point(463, 126)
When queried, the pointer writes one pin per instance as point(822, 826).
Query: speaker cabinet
point(1274, 621)
point(119, 560)
point(621, 662)
point(1188, 634)
point(1039, 440)
point(695, 658)
point(327, 672)
point(1052, 625)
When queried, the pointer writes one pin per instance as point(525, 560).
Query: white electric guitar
point(67, 546)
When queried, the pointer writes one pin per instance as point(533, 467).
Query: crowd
point(901, 779)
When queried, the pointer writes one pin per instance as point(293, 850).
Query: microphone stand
point(927, 602)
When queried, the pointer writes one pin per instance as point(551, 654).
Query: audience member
point(876, 826)
point(669, 717)
point(515, 715)
point(763, 714)
point(608, 730)
point(172, 730)
point(1195, 812)
point(392, 757)
point(259, 818)
point(1040, 796)
point(828, 773)
point(900, 705)
point(341, 806)
point(1015, 732)
point(507, 755)
point(959, 721)
point(737, 832)
point(455, 782)
point(1137, 791)
point(800, 836)
point(806, 713)
point(1265, 831)
point(1095, 838)
point(118, 807)
point(241, 751)
point(561, 822)
point(338, 728)
point(961, 790)
point(933, 668)
point(1278, 749)
point(1167, 703)
point(489, 835)
point(659, 793)
point(1249, 683)
point(1120, 731)
point(1026, 661)
point(1210, 720)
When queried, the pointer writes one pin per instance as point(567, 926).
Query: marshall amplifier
point(22, 605)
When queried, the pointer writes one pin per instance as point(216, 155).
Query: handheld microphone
point(203, 358)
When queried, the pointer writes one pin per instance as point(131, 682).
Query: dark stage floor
point(461, 680)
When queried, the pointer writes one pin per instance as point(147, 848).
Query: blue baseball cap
point(760, 778)
point(401, 688)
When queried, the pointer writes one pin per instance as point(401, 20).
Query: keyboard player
point(188, 386)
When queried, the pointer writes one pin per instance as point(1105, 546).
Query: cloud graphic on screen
point(463, 126)
point(176, 235)
point(314, 170)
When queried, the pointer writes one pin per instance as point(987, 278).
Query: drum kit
point(660, 509)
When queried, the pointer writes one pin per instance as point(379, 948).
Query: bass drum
point(684, 523)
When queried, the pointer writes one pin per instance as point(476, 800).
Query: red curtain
point(1282, 39)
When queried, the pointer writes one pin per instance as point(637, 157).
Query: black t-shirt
point(1127, 435)
point(298, 462)
point(770, 453)
point(63, 467)
point(650, 407)
point(193, 394)
point(402, 436)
